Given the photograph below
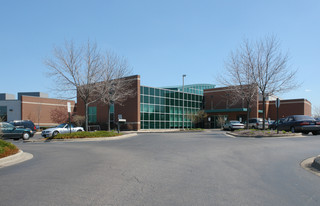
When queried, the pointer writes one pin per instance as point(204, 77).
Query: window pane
point(157, 92)
point(151, 100)
point(151, 108)
point(146, 99)
point(157, 108)
point(146, 116)
point(157, 100)
point(146, 91)
point(152, 91)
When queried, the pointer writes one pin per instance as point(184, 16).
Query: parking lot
point(197, 168)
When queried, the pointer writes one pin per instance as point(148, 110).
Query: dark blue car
point(300, 123)
point(9, 131)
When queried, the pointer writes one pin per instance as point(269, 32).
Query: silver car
point(60, 129)
point(232, 125)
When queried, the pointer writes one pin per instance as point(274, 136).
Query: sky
point(162, 40)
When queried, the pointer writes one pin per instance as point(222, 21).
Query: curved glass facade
point(163, 108)
point(193, 88)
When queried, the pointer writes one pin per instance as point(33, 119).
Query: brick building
point(170, 108)
point(218, 103)
point(34, 106)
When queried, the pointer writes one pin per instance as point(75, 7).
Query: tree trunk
point(86, 116)
point(263, 111)
point(109, 117)
point(248, 115)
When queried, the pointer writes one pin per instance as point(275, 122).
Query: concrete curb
point(316, 163)
point(278, 136)
point(307, 165)
point(169, 131)
point(15, 159)
point(92, 139)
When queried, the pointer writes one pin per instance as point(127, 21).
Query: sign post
point(277, 105)
point(69, 111)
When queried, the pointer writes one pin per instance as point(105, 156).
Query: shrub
point(7, 149)
point(87, 135)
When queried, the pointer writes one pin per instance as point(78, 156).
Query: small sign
point(209, 119)
point(122, 120)
point(277, 102)
point(119, 116)
point(69, 107)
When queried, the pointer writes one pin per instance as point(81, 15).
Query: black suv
point(24, 124)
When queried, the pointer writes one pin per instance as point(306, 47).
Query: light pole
point(183, 76)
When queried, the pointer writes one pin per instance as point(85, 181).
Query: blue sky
point(161, 39)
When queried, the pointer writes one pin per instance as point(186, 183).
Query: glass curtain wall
point(163, 108)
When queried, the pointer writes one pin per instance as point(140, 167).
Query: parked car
point(257, 123)
point(273, 125)
point(10, 131)
point(62, 129)
point(300, 123)
point(232, 125)
point(24, 124)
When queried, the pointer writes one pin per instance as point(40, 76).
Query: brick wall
point(287, 107)
point(130, 109)
point(44, 111)
point(223, 98)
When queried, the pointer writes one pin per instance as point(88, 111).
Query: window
point(3, 113)
point(92, 114)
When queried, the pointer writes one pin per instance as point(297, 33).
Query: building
point(220, 105)
point(170, 108)
point(34, 106)
point(151, 108)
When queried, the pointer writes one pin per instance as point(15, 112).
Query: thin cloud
point(308, 90)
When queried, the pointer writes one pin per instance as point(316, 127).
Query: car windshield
point(61, 126)
point(303, 117)
point(235, 122)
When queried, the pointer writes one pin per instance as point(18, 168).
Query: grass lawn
point(7, 149)
point(76, 135)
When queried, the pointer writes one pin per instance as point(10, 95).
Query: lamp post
point(183, 76)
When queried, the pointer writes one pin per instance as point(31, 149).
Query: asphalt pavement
point(197, 168)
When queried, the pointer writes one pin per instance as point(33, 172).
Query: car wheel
point(230, 129)
point(253, 127)
point(55, 133)
point(315, 133)
point(79, 130)
point(292, 130)
point(25, 136)
point(306, 132)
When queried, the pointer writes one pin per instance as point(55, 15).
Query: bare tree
point(221, 120)
point(78, 120)
point(239, 77)
point(39, 108)
point(82, 71)
point(316, 111)
point(119, 87)
point(267, 66)
point(272, 72)
point(198, 117)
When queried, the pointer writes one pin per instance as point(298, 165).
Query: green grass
point(76, 135)
point(7, 148)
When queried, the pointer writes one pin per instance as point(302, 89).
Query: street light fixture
point(183, 76)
